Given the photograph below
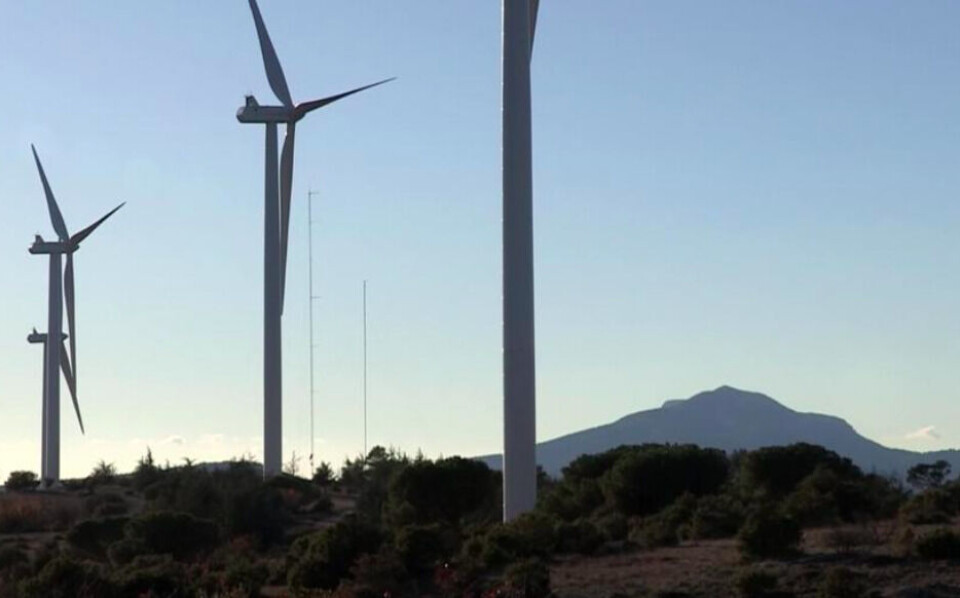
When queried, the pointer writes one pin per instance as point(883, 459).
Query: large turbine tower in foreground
point(519, 373)
point(55, 353)
point(277, 193)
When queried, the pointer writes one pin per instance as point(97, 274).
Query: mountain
point(728, 418)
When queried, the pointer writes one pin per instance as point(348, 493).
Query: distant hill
point(730, 419)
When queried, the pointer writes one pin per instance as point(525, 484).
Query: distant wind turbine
point(56, 357)
point(40, 338)
point(276, 229)
point(519, 363)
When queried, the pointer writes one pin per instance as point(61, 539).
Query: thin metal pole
point(365, 369)
point(310, 195)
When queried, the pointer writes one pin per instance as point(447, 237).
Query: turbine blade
point(68, 292)
point(286, 188)
point(55, 216)
point(71, 383)
point(76, 239)
point(534, 9)
point(302, 109)
point(278, 83)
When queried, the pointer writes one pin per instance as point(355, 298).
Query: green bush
point(646, 480)
point(773, 472)
point(12, 556)
point(94, 536)
point(154, 575)
point(108, 504)
point(445, 491)
point(245, 577)
point(767, 534)
point(321, 560)
point(933, 506)
point(180, 535)
point(940, 544)
point(754, 583)
point(579, 537)
point(21, 480)
point(257, 512)
point(718, 516)
point(529, 578)
point(841, 582)
point(420, 547)
point(530, 535)
point(667, 527)
point(612, 526)
point(571, 498)
point(64, 577)
point(375, 576)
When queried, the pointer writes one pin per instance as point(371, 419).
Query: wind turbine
point(519, 373)
point(277, 193)
point(41, 338)
point(56, 356)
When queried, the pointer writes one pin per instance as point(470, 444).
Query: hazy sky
point(760, 194)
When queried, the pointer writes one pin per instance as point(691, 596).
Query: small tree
point(293, 465)
point(103, 473)
point(21, 480)
point(928, 475)
point(323, 476)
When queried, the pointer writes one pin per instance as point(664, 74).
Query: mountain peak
point(734, 398)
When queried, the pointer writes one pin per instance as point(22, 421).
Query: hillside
point(730, 419)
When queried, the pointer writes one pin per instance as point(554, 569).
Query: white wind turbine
point(277, 194)
point(519, 373)
point(56, 357)
point(41, 338)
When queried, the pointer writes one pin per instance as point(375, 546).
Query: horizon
point(768, 192)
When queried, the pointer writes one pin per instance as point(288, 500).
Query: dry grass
point(878, 553)
point(36, 512)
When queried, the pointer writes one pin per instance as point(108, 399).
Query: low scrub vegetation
point(421, 527)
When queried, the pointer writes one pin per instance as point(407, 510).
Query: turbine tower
point(56, 356)
point(519, 373)
point(278, 185)
point(35, 338)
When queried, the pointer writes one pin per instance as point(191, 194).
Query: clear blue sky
point(753, 193)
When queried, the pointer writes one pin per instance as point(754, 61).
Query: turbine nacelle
point(253, 112)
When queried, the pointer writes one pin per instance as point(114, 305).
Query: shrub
point(940, 544)
point(612, 526)
point(257, 512)
point(754, 583)
point(324, 476)
point(529, 578)
point(245, 577)
point(931, 507)
point(103, 473)
point(94, 536)
point(651, 477)
point(420, 547)
point(21, 480)
point(572, 498)
point(580, 537)
point(530, 535)
point(446, 490)
point(667, 527)
point(776, 471)
point(928, 475)
point(11, 556)
point(375, 575)
point(841, 582)
point(180, 535)
point(767, 534)
point(321, 560)
point(153, 575)
point(718, 516)
point(63, 577)
point(107, 504)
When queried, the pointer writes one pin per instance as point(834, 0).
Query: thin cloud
point(927, 433)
